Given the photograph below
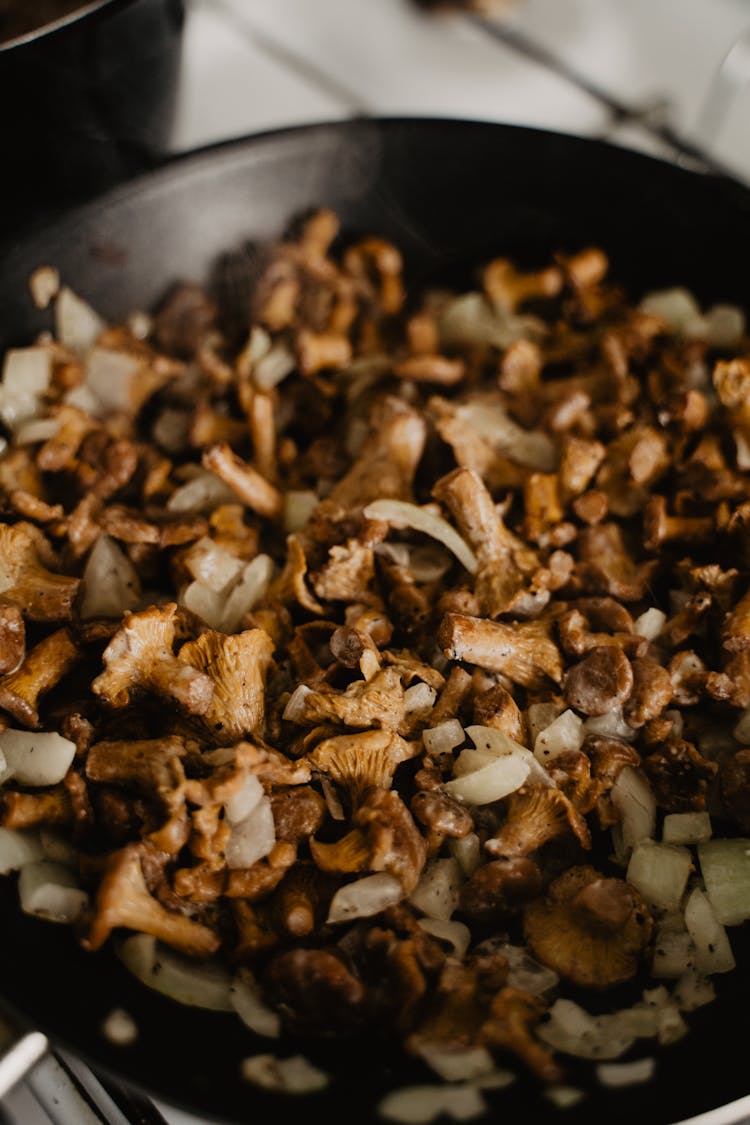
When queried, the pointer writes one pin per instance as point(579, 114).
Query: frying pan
point(451, 193)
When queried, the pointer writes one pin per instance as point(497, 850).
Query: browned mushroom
point(44, 667)
point(509, 1028)
point(237, 666)
point(40, 594)
point(524, 652)
point(499, 889)
point(599, 683)
point(535, 815)
point(590, 929)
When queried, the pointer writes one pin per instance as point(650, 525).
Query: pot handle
point(20, 1050)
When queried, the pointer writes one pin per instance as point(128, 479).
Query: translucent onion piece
point(35, 759)
point(660, 872)
point(199, 984)
point(27, 371)
point(468, 852)
point(725, 866)
point(438, 891)
point(248, 1003)
point(491, 782)
point(239, 806)
point(211, 565)
point(494, 741)
point(35, 430)
point(686, 828)
point(456, 934)
point(401, 514)
point(457, 1064)
point(626, 1073)
point(294, 1075)
point(201, 494)
point(110, 584)
point(77, 326)
point(17, 848)
point(251, 586)
point(252, 838)
point(365, 897)
point(693, 990)
point(677, 307)
point(562, 735)
point(298, 507)
point(49, 890)
point(635, 802)
point(443, 738)
point(650, 623)
point(713, 952)
point(418, 1105)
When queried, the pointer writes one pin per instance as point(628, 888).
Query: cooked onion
point(456, 934)
point(401, 514)
point(660, 872)
point(456, 1063)
point(110, 584)
point(239, 806)
point(35, 759)
point(725, 866)
point(686, 828)
point(248, 1003)
point(294, 1075)
point(438, 891)
point(49, 890)
point(77, 326)
point(713, 953)
point(563, 735)
point(634, 800)
point(252, 838)
point(200, 984)
point(626, 1073)
point(417, 1105)
point(444, 738)
point(365, 897)
point(490, 781)
point(298, 507)
point(17, 848)
point(468, 852)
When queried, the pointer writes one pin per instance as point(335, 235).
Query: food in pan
point(381, 658)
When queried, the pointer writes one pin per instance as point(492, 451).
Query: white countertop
point(251, 65)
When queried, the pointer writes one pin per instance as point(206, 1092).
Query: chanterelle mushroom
point(237, 666)
point(590, 929)
point(140, 656)
point(25, 580)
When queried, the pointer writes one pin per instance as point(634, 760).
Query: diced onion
point(252, 838)
point(456, 934)
point(298, 507)
point(468, 852)
point(611, 725)
point(490, 782)
point(27, 371)
point(77, 326)
point(660, 872)
point(35, 430)
point(419, 699)
point(677, 307)
point(239, 806)
point(713, 952)
point(686, 828)
point(456, 1063)
point(293, 1075)
point(199, 984)
point(35, 759)
point(211, 565)
point(650, 623)
point(725, 325)
point(725, 866)
point(539, 716)
point(365, 897)
point(634, 800)
point(564, 1097)
point(496, 742)
point(418, 1105)
point(693, 990)
point(252, 585)
point(401, 514)
point(443, 738)
point(204, 603)
point(273, 367)
point(112, 378)
point(564, 734)
point(626, 1073)
point(438, 891)
point(525, 972)
point(110, 585)
point(17, 848)
point(491, 422)
point(202, 494)
point(248, 1003)
point(49, 890)
point(673, 949)
point(295, 707)
point(573, 1031)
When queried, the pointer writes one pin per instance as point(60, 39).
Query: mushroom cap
point(590, 929)
point(536, 815)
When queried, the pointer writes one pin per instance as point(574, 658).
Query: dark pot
point(87, 102)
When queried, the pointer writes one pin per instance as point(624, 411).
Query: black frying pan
point(451, 193)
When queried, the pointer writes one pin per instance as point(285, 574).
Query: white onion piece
point(490, 782)
point(248, 1003)
point(468, 852)
point(35, 430)
point(626, 1073)
point(713, 952)
point(27, 371)
point(673, 953)
point(526, 973)
point(660, 872)
point(36, 759)
point(110, 584)
point(293, 1075)
point(211, 565)
point(199, 984)
point(725, 866)
point(611, 725)
point(77, 326)
point(112, 377)
point(333, 803)
point(418, 1105)
point(438, 891)
point(17, 848)
point(470, 319)
point(239, 806)
point(252, 838)
point(564, 1097)
point(650, 623)
point(539, 716)
point(725, 325)
point(573, 1031)
point(564, 734)
point(634, 800)
point(273, 367)
point(201, 494)
point(295, 707)
point(456, 1063)
point(298, 507)
point(677, 307)
point(456, 934)
point(693, 990)
point(419, 699)
point(686, 828)
point(204, 603)
point(44, 285)
point(401, 514)
point(365, 897)
point(49, 890)
point(492, 741)
point(443, 738)
point(252, 585)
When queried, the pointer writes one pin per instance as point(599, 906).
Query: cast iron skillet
point(451, 193)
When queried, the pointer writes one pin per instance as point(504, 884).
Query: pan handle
point(20, 1050)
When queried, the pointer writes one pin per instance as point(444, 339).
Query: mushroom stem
point(246, 482)
point(43, 667)
point(524, 652)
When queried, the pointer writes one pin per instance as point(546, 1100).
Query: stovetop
point(662, 76)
